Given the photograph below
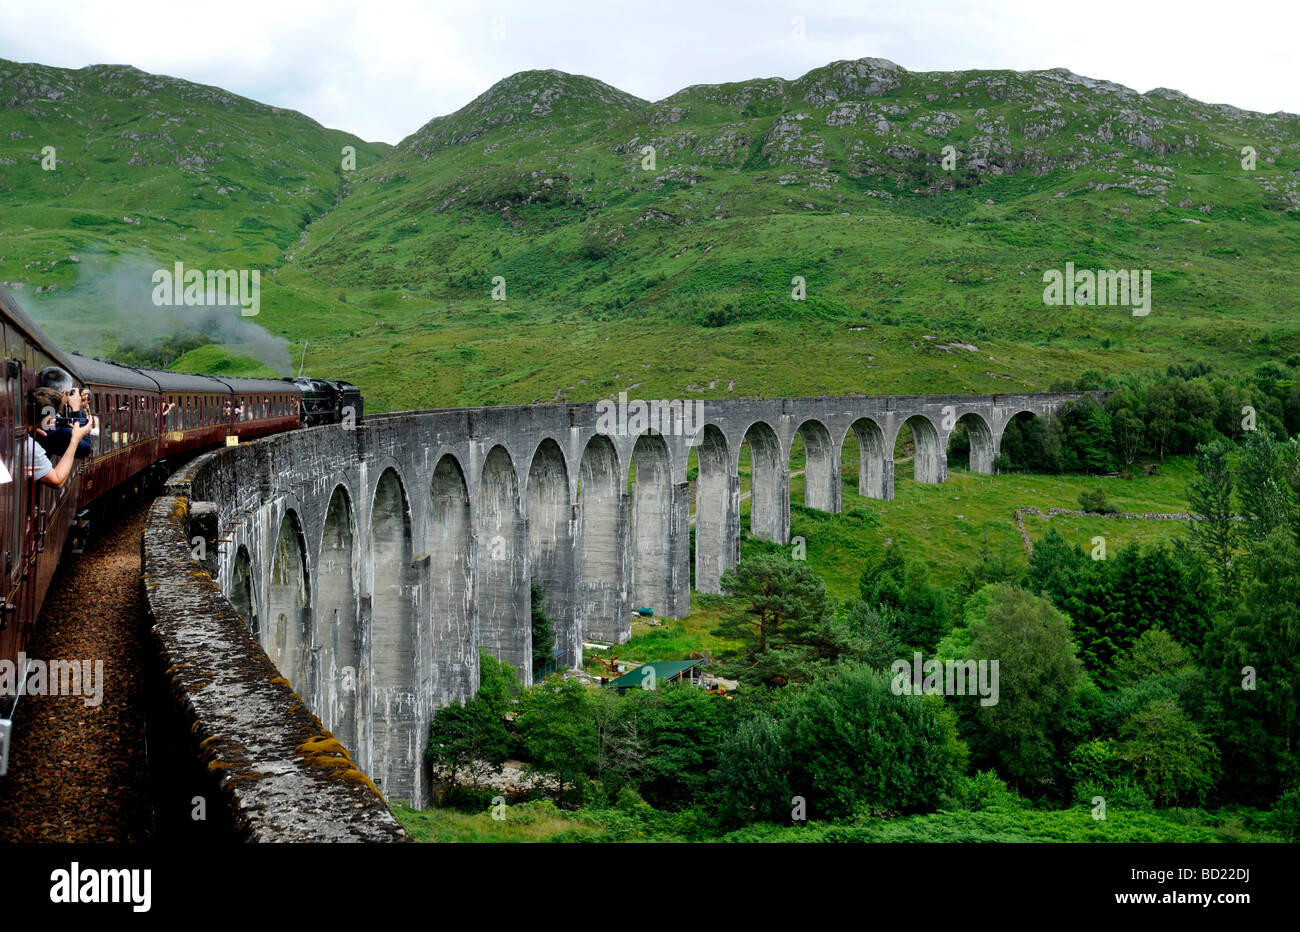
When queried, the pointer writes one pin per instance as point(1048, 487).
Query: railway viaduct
point(373, 561)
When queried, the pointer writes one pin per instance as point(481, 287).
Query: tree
point(1213, 532)
point(1154, 653)
point(467, 739)
point(1267, 494)
point(875, 629)
point(1128, 435)
point(753, 775)
point(685, 728)
point(1039, 677)
point(543, 630)
point(558, 729)
point(1253, 661)
point(1173, 762)
point(621, 742)
point(1098, 770)
point(845, 744)
point(854, 744)
point(921, 615)
point(773, 594)
point(1159, 412)
point(498, 684)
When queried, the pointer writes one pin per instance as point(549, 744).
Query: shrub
point(1094, 500)
point(1285, 817)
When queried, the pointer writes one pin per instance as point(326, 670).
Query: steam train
point(148, 420)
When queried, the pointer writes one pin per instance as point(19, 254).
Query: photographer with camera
point(58, 437)
point(42, 403)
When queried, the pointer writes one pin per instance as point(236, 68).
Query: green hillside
point(677, 278)
point(149, 170)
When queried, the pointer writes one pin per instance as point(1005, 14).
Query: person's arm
point(59, 474)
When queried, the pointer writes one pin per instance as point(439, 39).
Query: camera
point(61, 421)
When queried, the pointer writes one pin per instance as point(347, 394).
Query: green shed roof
point(665, 670)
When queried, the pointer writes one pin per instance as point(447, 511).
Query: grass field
point(543, 822)
point(947, 526)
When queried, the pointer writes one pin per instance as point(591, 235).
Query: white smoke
point(112, 305)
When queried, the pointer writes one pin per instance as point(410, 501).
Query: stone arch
point(930, 462)
point(502, 585)
point(242, 593)
point(875, 463)
point(769, 507)
point(650, 508)
point(550, 545)
point(451, 572)
point(1020, 441)
point(973, 434)
point(338, 611)
point(717, 537)
point(602, 603)
point(398, 746)
point(821, 483)
point(286, 632)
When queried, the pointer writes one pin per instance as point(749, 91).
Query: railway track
point(79, 772)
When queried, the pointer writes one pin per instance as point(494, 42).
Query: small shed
point(664, 671)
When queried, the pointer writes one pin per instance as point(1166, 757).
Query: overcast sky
point(382, 68)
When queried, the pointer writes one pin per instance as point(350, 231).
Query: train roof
point(107, 373)
point(97, 370)
point(185, 381)
point(258, 386)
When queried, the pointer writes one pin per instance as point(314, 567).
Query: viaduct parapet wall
point(372, 562)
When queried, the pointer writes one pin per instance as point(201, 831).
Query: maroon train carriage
point(147, 419)
point(34, 517)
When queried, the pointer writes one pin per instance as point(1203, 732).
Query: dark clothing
point(57, 440)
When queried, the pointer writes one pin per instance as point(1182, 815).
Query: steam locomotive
point(148, 419)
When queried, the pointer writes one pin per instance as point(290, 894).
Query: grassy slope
point(611, 269)
point(214, 181)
